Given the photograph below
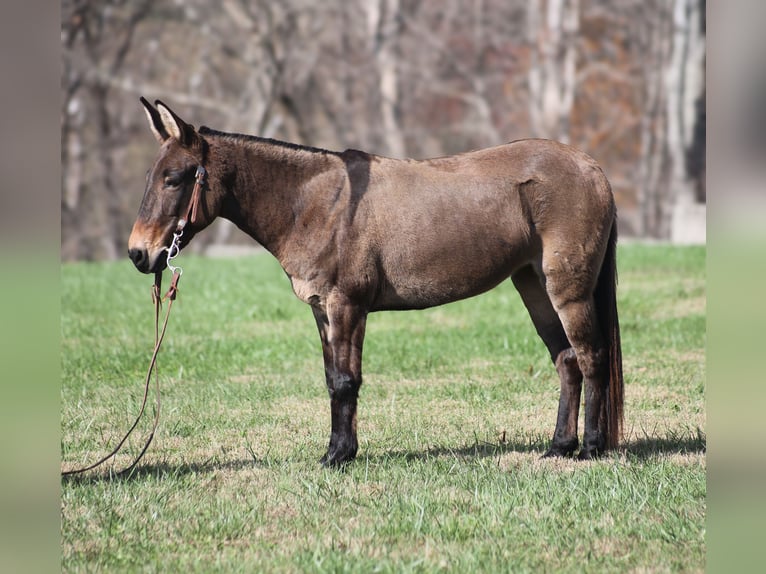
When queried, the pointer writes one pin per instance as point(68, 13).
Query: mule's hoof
point(556, 453)
point(336, 459)
point(589, 454)
point(564, 450)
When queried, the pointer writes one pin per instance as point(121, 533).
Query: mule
point(357, 233)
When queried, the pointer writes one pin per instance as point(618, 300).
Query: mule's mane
point(246, 138)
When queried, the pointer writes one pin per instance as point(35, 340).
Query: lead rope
point(159, 335)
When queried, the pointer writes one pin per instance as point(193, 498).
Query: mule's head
point(169, 185)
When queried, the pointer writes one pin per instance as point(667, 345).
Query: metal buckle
point(173, 252)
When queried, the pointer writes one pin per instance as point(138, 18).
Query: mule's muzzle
point(147, 248)
point(140, 258)
point(144, 262)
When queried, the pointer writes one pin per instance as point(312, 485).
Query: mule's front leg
point(341, 327)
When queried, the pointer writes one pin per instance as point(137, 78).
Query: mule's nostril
point(138, 257)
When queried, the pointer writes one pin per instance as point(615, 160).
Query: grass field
point(457, 406)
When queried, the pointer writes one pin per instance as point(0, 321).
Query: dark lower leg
point(565, 436)
point(343, 442)
point(341, 328)
point(530, 284)
point(581, 326)
point(594, 437)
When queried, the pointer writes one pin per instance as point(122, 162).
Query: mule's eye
point(173, 180)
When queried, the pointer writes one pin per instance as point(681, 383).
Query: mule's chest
point(308, 291)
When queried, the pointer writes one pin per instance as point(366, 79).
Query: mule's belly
point(432, 271)
point(420, 295)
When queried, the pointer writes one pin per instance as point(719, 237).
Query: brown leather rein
point(159, 334)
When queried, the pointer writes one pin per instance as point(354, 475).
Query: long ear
point(175, 126)
point(155, 121)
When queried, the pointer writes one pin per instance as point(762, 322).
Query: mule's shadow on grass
point(641, 449)
point(164, 470)
point(649, 447)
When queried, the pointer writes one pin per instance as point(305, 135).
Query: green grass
point(458, 404)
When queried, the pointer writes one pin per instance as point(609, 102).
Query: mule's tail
point(605, 297)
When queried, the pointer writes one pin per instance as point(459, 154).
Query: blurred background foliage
point(623, 80)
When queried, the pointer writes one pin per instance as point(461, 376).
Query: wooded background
point(624, 80)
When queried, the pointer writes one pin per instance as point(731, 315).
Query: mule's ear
point(155, 121)
point(175, 126)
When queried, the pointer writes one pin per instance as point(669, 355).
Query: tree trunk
point(674, 80)
point(553, 29)
point(383, 30)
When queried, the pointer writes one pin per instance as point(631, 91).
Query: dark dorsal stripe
point(206, 131)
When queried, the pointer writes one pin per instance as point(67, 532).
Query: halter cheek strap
point(191, 216)
point(191, 212)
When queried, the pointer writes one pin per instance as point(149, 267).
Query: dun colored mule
point(357, 233)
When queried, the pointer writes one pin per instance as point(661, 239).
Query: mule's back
point(449, 228)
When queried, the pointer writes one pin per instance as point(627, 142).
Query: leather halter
point(191, 211)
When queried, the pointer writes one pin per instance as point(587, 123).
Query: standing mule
point(356, 233)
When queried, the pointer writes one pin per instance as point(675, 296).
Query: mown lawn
point(458, 404)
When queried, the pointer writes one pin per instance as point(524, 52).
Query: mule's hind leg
point(548, 325)
point(570, 285)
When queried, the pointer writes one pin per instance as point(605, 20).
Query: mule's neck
point(264, 183)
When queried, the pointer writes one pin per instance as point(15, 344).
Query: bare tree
point(621, 79)
point(383, 30)
point(553, 28)
point(97, 40)
point(673, 72)
point(684, 83)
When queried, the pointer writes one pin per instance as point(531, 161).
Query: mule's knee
point(593, 363)
point(343, 387)
point(568, 368)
